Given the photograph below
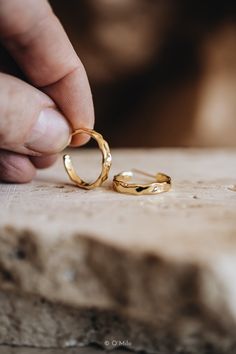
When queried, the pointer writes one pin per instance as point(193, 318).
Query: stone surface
point(163, 266)
point(26, 350)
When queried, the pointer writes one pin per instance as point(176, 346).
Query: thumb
point(30, 123)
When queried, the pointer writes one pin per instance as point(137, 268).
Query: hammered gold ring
point(106, 161)
point(121, 183)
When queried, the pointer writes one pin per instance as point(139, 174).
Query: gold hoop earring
point(120, 183)
point(106, 161)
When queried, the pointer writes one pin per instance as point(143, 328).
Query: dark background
point(163, 73)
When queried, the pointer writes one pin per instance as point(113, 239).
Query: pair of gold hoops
point(121, 183)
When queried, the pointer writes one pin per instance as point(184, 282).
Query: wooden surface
point(187, 235)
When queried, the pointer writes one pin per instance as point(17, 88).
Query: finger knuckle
point(12, 170)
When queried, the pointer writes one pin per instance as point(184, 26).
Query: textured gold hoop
point(106, 161)
point(120, 183)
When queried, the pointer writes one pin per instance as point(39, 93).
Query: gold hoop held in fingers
point(106, 161)
point(121, 183)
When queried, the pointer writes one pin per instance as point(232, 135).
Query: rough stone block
point(80, 267)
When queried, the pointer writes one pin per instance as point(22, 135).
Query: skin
point(54, 82)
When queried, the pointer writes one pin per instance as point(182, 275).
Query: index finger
point(39, 44)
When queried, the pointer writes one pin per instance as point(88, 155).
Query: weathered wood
point(166, 260)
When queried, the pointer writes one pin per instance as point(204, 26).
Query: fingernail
point(50, 134)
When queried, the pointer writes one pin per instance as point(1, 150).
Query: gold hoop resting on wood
point(120, 183)
point(106, 161)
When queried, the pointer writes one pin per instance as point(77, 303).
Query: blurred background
point(162, 72)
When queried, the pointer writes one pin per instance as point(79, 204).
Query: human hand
point(38, 113)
